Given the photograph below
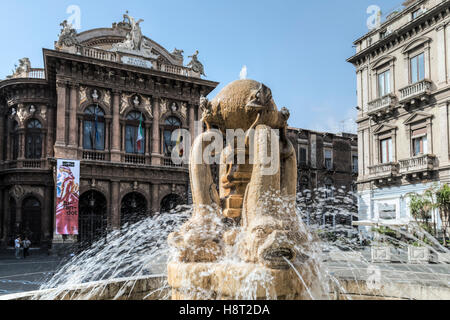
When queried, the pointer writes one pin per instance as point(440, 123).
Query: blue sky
point(297, 48)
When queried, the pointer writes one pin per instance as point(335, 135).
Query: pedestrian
point(26, 247)
point(17, 244)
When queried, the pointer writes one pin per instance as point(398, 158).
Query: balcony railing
point(33, 73)
point(417, 164)
point(415, 90)
point(183, 71)
point(116, 57)
point(382, 103)
point(385, 169)
point(134, 159)
point(97, 53)
point(94, 155)
point(26, 164)
point(32, 164)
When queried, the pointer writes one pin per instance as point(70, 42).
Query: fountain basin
point(237, 281)
point(135, 288)
point(153, 288)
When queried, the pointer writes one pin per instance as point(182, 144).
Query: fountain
point(245, 239)
point(249, 231)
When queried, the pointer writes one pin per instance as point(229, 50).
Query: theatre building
point(109, 98)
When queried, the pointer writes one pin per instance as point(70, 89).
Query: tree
point(443, 204)
point(421, 207)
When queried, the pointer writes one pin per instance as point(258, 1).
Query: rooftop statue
point(178, 54)
point(135, 43)
point(196, 65)
point(22, 70)
point(67, 37)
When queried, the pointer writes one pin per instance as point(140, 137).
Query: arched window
point(170, 125)
point(133, 208)
point(14, 139)
point(135, 133)
point(92, 217)
point(170, 202)
point(94, 129)
point(33, 140)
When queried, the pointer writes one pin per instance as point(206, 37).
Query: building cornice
point(403, 34)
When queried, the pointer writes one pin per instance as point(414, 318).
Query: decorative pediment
point(416, 43)
point(384, 128)
point(417, 117)
point(382, 61)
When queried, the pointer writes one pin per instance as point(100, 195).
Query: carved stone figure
point(257, 201)
point(196, 65)
point(178, 54)
point(163, 104)
point(134, 43)
point(22, 70)
point(67, 37)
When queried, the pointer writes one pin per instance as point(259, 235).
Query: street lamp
point(133, 202)
point(92, 200)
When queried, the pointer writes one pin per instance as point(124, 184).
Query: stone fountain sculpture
point(246, 237)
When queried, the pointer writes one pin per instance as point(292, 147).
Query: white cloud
point(243, 74)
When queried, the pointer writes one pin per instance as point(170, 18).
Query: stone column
point(3, 135)
point(107, 134)
point(115, 148)
point(22, 145)
point(447, 50)
point(73, 136)
point(361, 164)
point(18, 214)
point(47, 213)
point(156, 153)
point(50, 131)
point(441, 59)
point(6, 215)
point(80, 133)
point(427, 61)
point(155, 198)
point(61, 88)
point(199, 124)
point(9, 124)
point(192, 122)
point(2, 216)
point(444, 134)
point(115, 205)
point(430, 136)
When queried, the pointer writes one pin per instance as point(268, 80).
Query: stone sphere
point(239, 103)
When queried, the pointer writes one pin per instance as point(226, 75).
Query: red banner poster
point(67, 197)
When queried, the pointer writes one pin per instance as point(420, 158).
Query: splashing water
point(141, 249)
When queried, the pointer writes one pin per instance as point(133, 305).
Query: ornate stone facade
point(45, 116)
point(403, 81)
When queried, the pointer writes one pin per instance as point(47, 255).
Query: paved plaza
point(25, 274)
point(28, 274)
